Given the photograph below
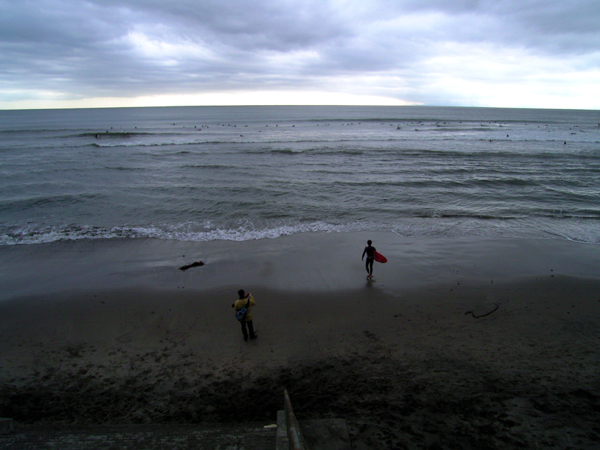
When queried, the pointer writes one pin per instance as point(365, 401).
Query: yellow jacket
point(243, 303)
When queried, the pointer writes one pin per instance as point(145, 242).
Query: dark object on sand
point(486, 314)
point(194, 264)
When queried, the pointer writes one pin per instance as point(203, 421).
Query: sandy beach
point(463, 343)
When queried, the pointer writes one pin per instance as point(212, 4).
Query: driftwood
point(486, 314)
point(189, 266)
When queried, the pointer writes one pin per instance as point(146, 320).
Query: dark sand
point(473, 343)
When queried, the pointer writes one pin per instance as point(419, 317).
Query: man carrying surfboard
point(372, 255)
point(370, 252)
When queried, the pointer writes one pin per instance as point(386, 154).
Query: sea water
point(240, 173)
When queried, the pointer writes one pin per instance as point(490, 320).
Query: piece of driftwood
point(483, 315)
point(189, 266)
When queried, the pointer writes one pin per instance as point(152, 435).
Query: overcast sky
point(506, 53)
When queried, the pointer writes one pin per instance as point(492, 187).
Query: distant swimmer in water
point(370, 252)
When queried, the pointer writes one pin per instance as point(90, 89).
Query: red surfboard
point(379, 257)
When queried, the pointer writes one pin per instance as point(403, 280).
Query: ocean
point(242, 173)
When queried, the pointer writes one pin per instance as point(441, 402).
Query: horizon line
point(294, 106)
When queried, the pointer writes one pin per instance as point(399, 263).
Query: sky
point(116, 53)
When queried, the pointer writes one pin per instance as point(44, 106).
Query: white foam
point(246, 229)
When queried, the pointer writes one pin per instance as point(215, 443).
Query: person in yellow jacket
point(246, 301)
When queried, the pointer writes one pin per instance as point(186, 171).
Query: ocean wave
point(113, 134)
point(35, 131)
point(181, 232)
point(442, 184)
point(367, 142)
point(64, 200)
point(571, 228)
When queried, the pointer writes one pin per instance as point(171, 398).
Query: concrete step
point(140, 437)
point(326, 434)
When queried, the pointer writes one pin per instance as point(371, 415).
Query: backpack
point(239, 315)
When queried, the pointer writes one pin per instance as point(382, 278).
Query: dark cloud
point(128, 48)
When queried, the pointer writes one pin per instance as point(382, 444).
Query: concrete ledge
point(282, 437)
point(172, 436)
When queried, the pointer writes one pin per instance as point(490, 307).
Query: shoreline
point(306, 262)
point(489, 353)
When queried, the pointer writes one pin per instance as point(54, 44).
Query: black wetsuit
point(370, 252)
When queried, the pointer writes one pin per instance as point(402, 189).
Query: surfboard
point(379, 257)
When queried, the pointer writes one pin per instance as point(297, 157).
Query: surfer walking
point(245, 301)
point(370, 252)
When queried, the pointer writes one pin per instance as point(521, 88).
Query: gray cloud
point(128, 48)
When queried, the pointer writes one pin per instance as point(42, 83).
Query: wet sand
point(473, 343)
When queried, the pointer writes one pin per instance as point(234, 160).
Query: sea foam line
point(583, 231)
point(181, 232)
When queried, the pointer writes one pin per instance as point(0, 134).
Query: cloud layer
point(520, 53)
